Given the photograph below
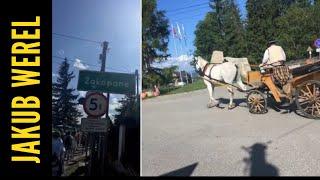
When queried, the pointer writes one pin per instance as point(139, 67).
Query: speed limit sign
point(95, 104)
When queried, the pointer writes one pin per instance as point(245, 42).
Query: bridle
point(202, 72)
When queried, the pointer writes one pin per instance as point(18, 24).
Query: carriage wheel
point(308, 99)
point(257, 103)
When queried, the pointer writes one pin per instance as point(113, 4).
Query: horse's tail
point(238, 79)
point(238, 76)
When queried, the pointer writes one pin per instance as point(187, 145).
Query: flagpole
point(184, 35)
point(174, 41)
point(180, 37)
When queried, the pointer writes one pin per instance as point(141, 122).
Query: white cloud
point(182, 58)
point(114, 104)
point(182, 61)
point(114, 100)
point(78, 64)
point(82, 93)
point(54, 75)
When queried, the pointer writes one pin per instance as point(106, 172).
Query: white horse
point(214, 73)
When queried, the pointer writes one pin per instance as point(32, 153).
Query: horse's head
point(199, 63)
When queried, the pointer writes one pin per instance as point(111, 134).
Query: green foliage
point(155, 38)
point(196, 85)
point(168, 74)
point(260, 25)
point(298, 28)
point(159, 77)
point(64, 105)
point(155, 34)
point(129, 111)
point(222, 29)
point(293, 23)
point(151, 78)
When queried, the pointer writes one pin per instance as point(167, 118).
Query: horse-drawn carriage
point(303, 85)
point(303, 88)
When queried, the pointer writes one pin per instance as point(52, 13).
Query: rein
point(204, 76)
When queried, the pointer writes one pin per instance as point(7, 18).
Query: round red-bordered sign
point(95, 104)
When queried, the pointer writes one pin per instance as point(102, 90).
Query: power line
point(92, 65)
point(188, 17)
point(77, 38)
point(178, 9)
point(188, 11)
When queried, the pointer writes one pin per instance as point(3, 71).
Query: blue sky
point(118, 22)
point(188, 13)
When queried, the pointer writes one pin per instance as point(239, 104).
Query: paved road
point(180, 136)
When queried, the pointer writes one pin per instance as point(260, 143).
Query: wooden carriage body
point(303, 87)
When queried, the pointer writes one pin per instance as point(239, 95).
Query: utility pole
point(103, 55)
point(103, 58)
point(98, 140)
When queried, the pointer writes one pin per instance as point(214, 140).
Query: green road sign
point(117, 83)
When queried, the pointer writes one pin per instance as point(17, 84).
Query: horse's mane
point(202, 61)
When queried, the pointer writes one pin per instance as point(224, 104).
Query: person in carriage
point(274, 62)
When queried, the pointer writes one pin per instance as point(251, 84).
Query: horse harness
point(203, 74)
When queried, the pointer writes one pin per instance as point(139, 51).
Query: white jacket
point(273, 55)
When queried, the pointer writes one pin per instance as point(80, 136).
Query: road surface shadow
point(239, 102)
point(256, 164)
point(185, 171)
point(278, 108)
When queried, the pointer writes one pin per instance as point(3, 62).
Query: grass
point(197, 85)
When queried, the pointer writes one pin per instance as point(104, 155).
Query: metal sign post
point(96, 105)
point(122, 128)
point(310, 52)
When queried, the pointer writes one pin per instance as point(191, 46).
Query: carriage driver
point(274, 57)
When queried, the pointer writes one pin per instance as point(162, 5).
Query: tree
point(260, 27)
point(234, 31)
point(155, 38)
point(208, 36)
point(298, 28)
point(129, 115)
point(155, 34)
point(169, 74)
point(154, 77)
point(222, 29)
point(129, 111)
point(64, 105)
point(293, 23)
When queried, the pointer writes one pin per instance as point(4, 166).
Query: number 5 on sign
point(95, 104)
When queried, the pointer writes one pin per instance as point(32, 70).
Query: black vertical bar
point(21, 11)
